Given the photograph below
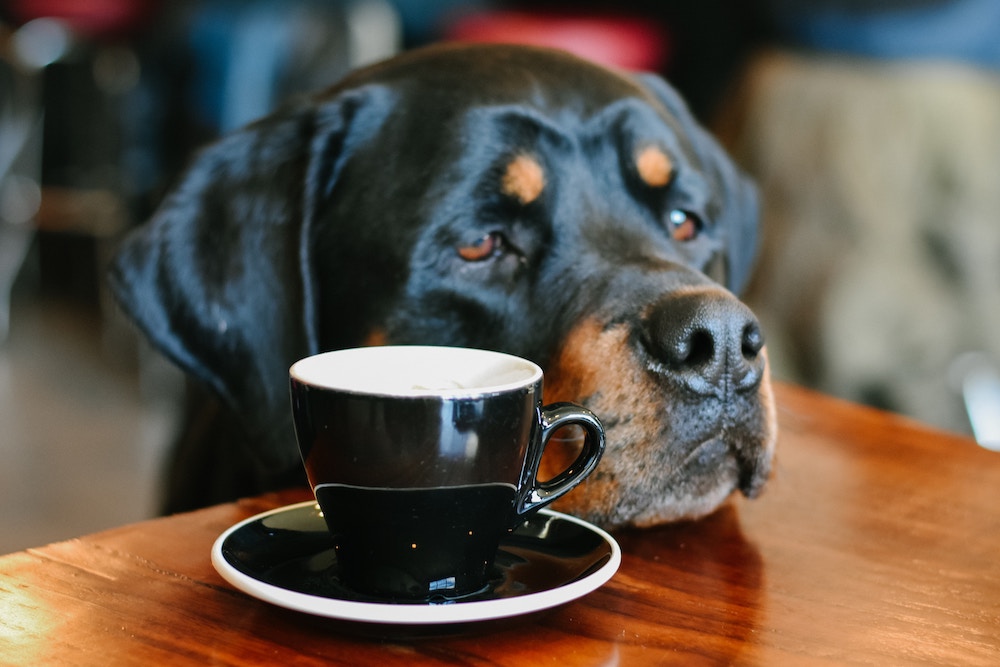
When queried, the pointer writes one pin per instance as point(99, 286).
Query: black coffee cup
point(423, 458)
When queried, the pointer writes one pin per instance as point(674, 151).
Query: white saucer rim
point(410, 614)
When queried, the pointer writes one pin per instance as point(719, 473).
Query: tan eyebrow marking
point(655, 168)
point(524, 179)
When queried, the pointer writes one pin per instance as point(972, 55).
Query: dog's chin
point(698, 486)
point(642, 484)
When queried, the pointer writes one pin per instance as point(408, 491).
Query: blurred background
point(872, 127)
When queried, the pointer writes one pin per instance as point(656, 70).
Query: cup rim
point(519, 373)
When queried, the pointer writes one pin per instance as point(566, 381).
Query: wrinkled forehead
point(462, 100)
point(472, 109)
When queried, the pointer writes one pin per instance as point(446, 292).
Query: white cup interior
point(413, 370)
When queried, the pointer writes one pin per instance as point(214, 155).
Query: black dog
point(510, 198)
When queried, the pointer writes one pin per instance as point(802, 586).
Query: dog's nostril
point(753, 341)
point(695, 349)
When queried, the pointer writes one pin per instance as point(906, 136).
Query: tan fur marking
point(655, 168)
point(524, 179)
point(595, 367)
point(770, 410)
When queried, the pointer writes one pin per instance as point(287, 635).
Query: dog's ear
point(740, 212)
point(221, 278)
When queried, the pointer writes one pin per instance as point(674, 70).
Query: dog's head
point(510, 198)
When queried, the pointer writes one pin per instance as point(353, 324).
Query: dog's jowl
point(510, 198)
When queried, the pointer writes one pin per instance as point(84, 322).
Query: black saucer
point(285, 557)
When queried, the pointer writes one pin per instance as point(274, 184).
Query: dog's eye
point(684, 226)
point(486, 247)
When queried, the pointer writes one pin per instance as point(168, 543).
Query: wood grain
point(877, 542)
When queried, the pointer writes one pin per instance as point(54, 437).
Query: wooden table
point(877, 543)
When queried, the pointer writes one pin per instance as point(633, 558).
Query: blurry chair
point(880, 174)
point(20, 165)
point(612, 39)
point(250, 56)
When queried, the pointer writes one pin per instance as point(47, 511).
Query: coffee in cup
point(423, 458)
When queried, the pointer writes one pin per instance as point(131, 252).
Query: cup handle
point(551, 418)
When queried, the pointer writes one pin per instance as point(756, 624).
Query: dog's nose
point(708, 340)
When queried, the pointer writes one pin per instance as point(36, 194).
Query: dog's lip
point(706, 451)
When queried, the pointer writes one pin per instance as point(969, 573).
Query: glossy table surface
point(877, 542)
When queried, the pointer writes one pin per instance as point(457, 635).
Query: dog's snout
point(708, 341)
